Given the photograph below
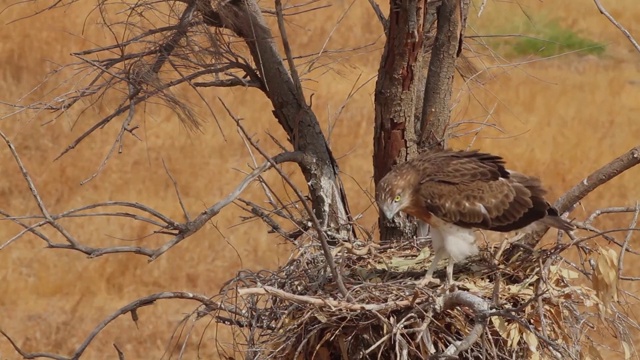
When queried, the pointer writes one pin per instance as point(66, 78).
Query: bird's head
point(393, 193)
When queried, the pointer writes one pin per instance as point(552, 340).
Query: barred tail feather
point(557, 222)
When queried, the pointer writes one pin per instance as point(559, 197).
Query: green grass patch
point(553, 39)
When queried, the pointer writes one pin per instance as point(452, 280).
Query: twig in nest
point(627, 238)
point(318, 301)
point(479, 306)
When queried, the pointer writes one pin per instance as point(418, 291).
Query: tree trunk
point(402, 127)
point(294, 115)
point(436, 111)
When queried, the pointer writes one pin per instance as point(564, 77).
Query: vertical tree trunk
point(402, 127)
point(436, 112)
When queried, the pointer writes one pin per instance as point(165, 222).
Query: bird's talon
point(427, 280)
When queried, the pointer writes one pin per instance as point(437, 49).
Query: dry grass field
point(562, 118)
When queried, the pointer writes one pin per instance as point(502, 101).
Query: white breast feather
point(458, 242)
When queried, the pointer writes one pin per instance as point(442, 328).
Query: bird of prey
point(456, 192)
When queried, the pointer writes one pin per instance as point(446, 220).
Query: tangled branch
point(166, 226)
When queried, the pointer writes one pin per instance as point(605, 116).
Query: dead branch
point(287, 50)
point(625, 245)
point(380, 15)
point(624, 31)
point(598, 178)
point(179, 231)
point(582, 189)
point(333, 304)
point(209, 305)
point(479, 306)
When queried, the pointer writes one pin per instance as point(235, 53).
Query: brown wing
point(460, 167)
point(473, 189)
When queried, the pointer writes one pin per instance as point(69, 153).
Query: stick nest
point(525, 306)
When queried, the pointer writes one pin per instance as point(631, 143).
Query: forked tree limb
point(294, 115)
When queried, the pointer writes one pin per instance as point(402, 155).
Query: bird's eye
point(397, 198)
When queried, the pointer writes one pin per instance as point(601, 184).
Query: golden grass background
point(563, 118)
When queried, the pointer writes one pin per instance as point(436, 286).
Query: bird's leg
point(429, 276)
point(450, 272)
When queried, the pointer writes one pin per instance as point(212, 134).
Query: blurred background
point(558, 109)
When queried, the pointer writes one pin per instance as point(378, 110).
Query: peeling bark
point(402, 129)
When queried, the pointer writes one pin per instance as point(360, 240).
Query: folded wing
point(472, 189)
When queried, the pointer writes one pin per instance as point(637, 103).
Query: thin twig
point(175, 187)
point(627, 238)
point(287, 50)
point(141, 302)
point(624, 31)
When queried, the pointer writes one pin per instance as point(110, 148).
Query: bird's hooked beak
point(390, 210)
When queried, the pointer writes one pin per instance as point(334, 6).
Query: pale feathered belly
point(457, 242)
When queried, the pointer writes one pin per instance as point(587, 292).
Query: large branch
point(579, 191)
point(294, 115)
point(599, 177)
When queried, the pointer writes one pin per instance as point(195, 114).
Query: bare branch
point(598, 178)
point(624, 31)
point(192, 226)
point(287, 50)
point(380, 15)
point(318, 301)
point(479, 306)
point(179, 231)
point(131, 307)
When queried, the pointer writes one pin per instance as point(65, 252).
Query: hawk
point(456, 192)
